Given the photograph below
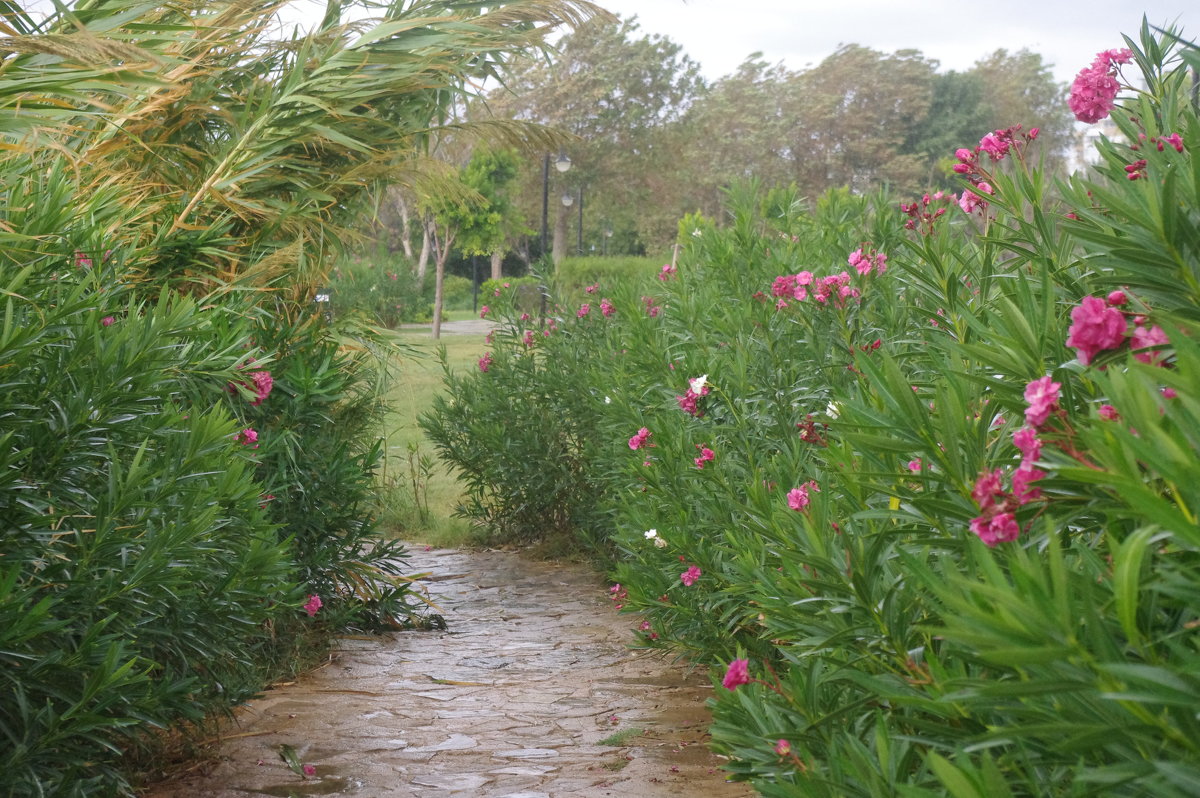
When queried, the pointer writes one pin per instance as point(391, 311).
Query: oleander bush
point(919, 483)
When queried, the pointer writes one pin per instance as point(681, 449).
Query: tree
point(618, 92)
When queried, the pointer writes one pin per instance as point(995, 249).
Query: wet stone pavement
point(530, 693)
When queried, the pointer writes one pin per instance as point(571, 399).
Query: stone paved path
point(513, 701)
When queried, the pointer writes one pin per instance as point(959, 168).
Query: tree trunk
point(497, 264)
point(426, 244)
point(405, 224)
point(559, 248)
point(442, 248)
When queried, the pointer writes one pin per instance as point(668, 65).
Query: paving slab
point(518, 698)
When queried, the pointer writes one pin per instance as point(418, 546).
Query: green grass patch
point(622, 737)
point(418, 494)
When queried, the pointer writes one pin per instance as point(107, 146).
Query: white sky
point(719, 34)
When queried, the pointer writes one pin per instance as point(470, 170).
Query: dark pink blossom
point(1042, 396)
point(668, 271)
point(783, 747)
point(1116, 298)
point(987, 487)
point(1026, 440)
point(607, 307)
point(1108, 413)
point(690, 576)
point(798, 498)
point(246, 437)
point(1095, 327)
point(1144, 337)
point(1095, 88)
point(915, 466)
point(639, 440)
point(999, 528)
point(737, 674)
point(1021, 478)
point(312, 605)
point(263, 383)
point(485, 362)
point(309, 770)
point(107, 321)
point(706, 456)
point(584, 309)
point(483, 311)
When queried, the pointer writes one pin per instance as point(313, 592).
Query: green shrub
point(932, 548)
point(576, 273)
point(381, 289)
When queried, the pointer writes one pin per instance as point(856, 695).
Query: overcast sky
point(721, 33)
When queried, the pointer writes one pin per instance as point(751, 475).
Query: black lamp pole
point(545, 200)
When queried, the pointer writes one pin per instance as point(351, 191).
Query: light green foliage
point(893, 650)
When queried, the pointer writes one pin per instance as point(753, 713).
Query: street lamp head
point(567, 200)
point(562, 163)
point(608, 233)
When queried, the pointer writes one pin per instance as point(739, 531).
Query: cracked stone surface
point(514, 700)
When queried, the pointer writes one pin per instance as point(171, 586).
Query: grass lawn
point(411, 462)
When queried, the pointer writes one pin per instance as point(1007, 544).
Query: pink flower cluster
point(1095, 88)
point(864, 263)
point(737, 674)
point(1042, 396)
point(997, 522)
point(641, 439)
point(607, 307)
point(652, 309)
point(593, 288)
point(921, 215)
point(312, 605)
point(263, 383)
point(707, 455)
point(483, 311)
point(618, 595)
point(668, 271)
point(485, 362)
point(690, 401)
point(1097, 326)
point(690, 576)
point(584, 309)
point(822, 289)
point(798, 498)
point(246, 437)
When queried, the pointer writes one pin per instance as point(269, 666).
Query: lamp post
point(562, 163)
point(607, 235)
point(579, 232)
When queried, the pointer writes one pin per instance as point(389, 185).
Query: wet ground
point(530, 693)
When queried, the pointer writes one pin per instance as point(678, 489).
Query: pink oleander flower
point(584, 309)
point(483, 311)
point(1000, 528)
point(1095, 88)
point(1042, 396)
point(309, 770)
point(668, 271)
point(1144, 337)
point(524, 317)
point(1173, 140)
point(1169, 393)
point(798, 498)
point(690, 576)
point(1116, 298)
point(1021, 478)
point(593, 288)
point(784, 285)
point(485, 362)
point(1108, 413)
point(706, 456)
point(246, 437)
point(528, 339)
point(987, 487)
point(737, 674)
point(783, 747)
point(263, 383)
point(639, 440)
point(607, 307)
point(970, 201)
point(1095, 327)
point(107, 321)
point(312, 605)
point(1026, 440)
point(914, 466)
point(996, 144)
